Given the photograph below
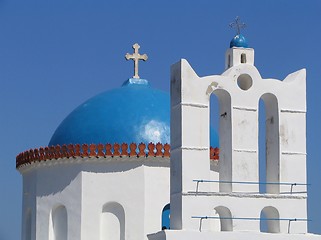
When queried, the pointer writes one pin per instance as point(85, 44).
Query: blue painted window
point(166, 217)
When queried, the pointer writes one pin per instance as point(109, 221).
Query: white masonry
point(233, 207)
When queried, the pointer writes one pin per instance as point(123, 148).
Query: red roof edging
point(98, 150)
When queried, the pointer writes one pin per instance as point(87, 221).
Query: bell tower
point(232, 207)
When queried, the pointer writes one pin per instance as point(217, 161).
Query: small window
point(243, 58)
point(166, 217)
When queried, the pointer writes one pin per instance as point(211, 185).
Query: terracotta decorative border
point(99, 150)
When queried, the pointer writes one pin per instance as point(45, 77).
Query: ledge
point(249, 195)
point(98, 150)
point(227, 235)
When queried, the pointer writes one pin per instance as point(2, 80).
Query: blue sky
point(54, 55)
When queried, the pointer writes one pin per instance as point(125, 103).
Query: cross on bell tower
point(136, 57)
point(237, 24)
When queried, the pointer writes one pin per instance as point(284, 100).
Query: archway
point(225, 222)
point(225, 138)
point(270, 220)
point(58, 225)
point(112, 225)
point(269, 147)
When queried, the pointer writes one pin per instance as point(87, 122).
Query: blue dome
point(239, 41)
point(134, 112)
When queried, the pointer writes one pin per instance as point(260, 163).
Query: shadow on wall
point(49, 183)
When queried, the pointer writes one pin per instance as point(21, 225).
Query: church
point(137, 163)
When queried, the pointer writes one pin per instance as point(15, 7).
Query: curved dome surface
point(134, 112)
point(239, 41)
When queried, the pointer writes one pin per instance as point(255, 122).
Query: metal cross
point(237, 25)
point(136, 57)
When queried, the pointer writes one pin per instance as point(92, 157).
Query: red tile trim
point(99, 150)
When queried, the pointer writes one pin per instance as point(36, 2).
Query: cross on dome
point(136, 57)
point(237, 25)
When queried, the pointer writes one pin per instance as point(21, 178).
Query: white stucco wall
point(239, 90)
point(84, 185)
point(58, 185)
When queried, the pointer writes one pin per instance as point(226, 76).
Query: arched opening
point(270, 220)
point(269, 147)
point(112, 224)
point(58, 225)
point(28, 225)
point(262, 147)
point(223, 120)
point(166, 217)
point(243, 58)
point(214, 121)
point(224, 222)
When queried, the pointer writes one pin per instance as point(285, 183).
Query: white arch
point(272, 143)
point(270, 220)
point(225, 221)
point(225, 138)
point(58, 224)
point(112, 224)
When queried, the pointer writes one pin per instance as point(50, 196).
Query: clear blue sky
point(55, 54)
